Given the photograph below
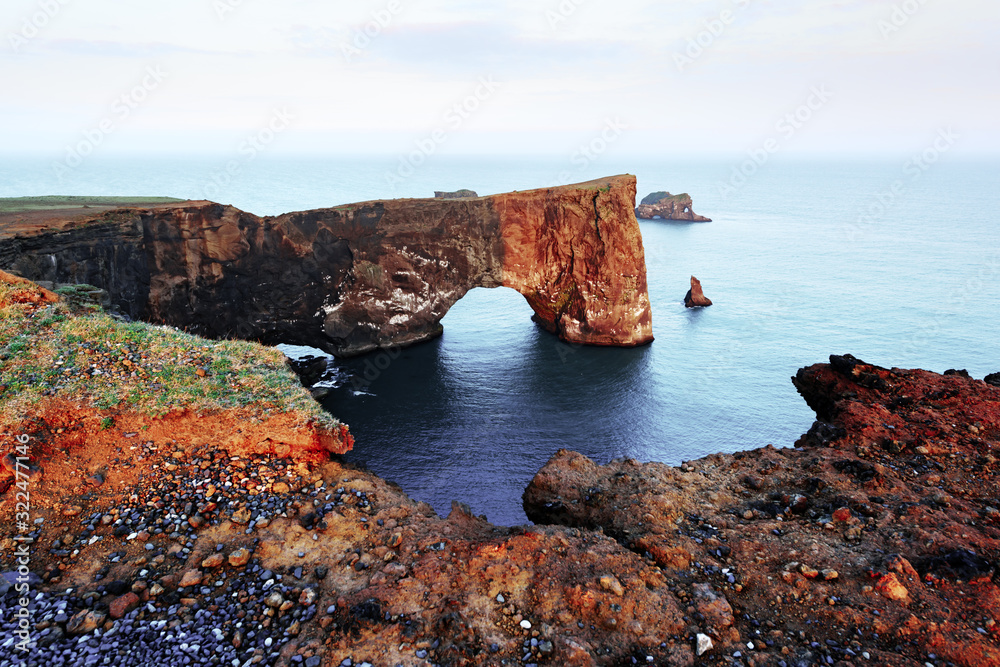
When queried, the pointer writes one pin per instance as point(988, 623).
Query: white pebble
point(526, 624)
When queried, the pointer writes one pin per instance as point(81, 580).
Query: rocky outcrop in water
point(359, 277)
point(666, 206)
point(695, 298)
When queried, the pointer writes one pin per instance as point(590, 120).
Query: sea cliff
point(358, 277)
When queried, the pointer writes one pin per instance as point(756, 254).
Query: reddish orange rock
point(123, 604)
point(888, 586)
point(695, 298)
point(842, 514)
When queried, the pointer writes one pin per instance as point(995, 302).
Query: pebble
point(842, 515)
point(213, 561)
point(612, 585)
point(191, 578)
point(239, 558)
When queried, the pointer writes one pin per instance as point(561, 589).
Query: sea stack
point(665, 206)
point(695, 298)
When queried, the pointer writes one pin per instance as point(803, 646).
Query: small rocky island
point(665, 206)
point(695, 298)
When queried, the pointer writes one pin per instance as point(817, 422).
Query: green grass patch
point(656, 197)
point(56, 202)
point(71, 351)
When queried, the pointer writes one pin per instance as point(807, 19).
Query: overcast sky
point(528, 75)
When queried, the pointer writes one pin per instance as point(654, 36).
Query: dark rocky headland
point(187, 506)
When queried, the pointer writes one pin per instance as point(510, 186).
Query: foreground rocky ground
point(230, 537)
point(874, 540)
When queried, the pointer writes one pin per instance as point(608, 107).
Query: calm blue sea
point(794, 274)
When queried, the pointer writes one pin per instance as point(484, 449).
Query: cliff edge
point(359, 277)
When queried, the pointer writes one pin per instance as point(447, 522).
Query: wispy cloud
point(599, 61)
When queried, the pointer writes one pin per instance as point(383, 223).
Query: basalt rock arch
point(358, 277)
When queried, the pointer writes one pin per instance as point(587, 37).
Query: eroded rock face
point(666, 206)
point(359, 277)
point(695, 298)
point(878, 534)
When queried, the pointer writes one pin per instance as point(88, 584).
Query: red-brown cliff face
point(576, 255)
point(359, 277)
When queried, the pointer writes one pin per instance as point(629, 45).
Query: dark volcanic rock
point(359, 277)
point(457, 194)
point(993, 379)
point(310, 369)
point(666, 206)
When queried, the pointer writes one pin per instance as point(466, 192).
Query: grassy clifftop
point(61, 347)
point(57, 202)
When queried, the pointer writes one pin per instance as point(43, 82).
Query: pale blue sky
point(561, 71)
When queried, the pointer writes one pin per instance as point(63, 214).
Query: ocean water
point(795, 272)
